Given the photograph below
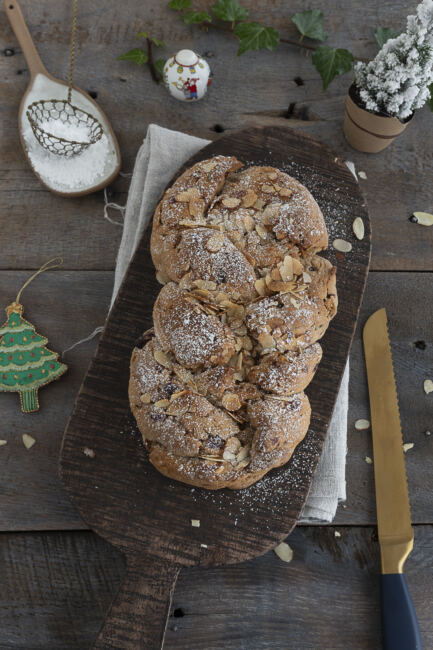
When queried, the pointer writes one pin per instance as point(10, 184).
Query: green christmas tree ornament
point(26, 364)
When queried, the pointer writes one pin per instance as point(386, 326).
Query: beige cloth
point(159, 157)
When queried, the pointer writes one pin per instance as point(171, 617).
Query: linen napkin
point(160, 156)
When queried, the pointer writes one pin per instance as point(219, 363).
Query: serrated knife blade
point(400, 626)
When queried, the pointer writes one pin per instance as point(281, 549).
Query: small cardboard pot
point(366, 131)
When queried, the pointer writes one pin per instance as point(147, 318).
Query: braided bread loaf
point(217, 387)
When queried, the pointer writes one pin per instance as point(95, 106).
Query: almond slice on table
point(362, 425)
point(428, 386)
point(424, 218)
point(358, 228)
point(268, 189)
point(28, 441)
point(342, 245)
point(284, 552)
point(3, 442)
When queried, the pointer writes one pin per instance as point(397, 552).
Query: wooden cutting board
point(116, 490)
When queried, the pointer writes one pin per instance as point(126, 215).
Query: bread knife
point(399, 622)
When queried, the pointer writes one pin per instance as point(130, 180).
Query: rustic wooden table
point(57, 578)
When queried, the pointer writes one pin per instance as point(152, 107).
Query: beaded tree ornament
point(25, 363)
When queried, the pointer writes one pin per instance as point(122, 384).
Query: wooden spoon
point(43, 85)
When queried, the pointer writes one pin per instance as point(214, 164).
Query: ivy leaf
point(159, 65)
point(383, 34)
point(230, 10)
point(137, 55)
point(157, 42)
point(430, 101)
point(253, 36)
point(196, 17)
point(143, 35)
point(330, 62)
point(179, 5)
point(310, 24)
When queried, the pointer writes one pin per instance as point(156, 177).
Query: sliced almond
point(28, 441)
point(187, 195)
point(231, 202)
point(89, 452)
point(286, 268)
point(294, 302)
point(368, 460)
point(228, 455)
point(162, 403)
point(162, 358)
point(145, 398)
point(342, 245)
point(261, 231)
point(188, 223)
point(272, 175)
point(178, 394)
point(195, 207)
point(3, 442)
point(266, 340)
point(428, 386)
point(284, 191)
point(268, 189)
point(306, 277)
point(297, 267)
point(258, 205)
point(233, 445)
point(231, 402)
point(207, 167)
point(210, 285)
point(243, 453)
point(195, 523)
point(249, 199)
point(424, 218)
point(249, 223)
point(260, 286)
point(215, 243)
point(407, 446)
point(284, 552)
point(358, 228)
point(362, 425)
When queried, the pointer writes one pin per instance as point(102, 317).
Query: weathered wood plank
point(67, 306)
point(410, 315)
point(255, 89)
point(56, 588)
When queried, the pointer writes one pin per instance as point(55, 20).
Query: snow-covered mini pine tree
point(396, 82)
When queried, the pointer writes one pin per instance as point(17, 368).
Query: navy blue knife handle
point(399, 622)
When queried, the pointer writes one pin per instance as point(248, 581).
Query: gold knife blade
point(392, 498)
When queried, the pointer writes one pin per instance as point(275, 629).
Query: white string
point(96, 331)
point(115, 206)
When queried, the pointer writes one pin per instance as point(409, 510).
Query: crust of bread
point(217, 388)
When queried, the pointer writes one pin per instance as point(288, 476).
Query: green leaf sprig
point(329, 62)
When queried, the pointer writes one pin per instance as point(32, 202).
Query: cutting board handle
point(18, 24)
point(138, 615)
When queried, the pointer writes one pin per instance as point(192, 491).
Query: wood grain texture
point(235, 525)
point(255, 89)
point(32, 496)
point(66, 307)
point(56, 588)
